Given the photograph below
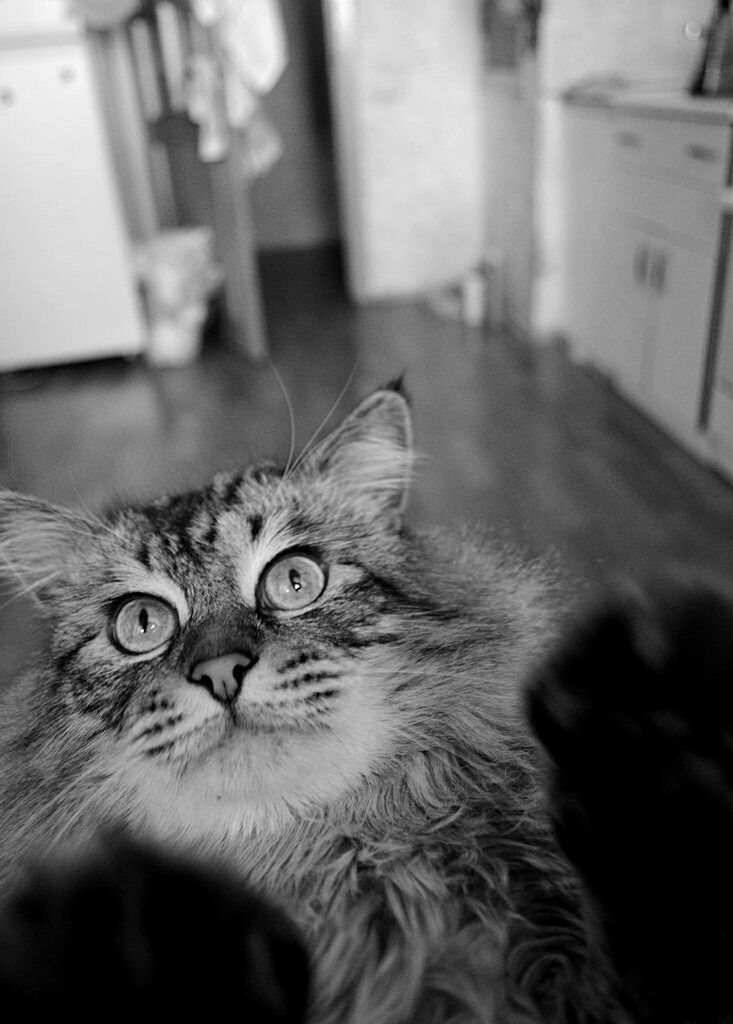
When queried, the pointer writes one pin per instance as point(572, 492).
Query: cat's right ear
point(43, 548)
point(369, 458)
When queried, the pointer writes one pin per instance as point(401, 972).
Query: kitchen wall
point(642, 42)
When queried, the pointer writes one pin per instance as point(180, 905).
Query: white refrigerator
point(67, 287)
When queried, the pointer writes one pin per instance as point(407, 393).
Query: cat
point(276, 675)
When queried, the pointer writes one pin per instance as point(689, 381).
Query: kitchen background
point(517, 203)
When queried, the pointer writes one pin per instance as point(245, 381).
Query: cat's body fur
point(375, 777)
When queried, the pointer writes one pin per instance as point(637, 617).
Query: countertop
point(672, 104)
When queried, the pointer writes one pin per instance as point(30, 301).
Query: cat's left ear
point(44, 548)
point(369, 458)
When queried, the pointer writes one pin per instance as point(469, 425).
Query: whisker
point(27, 589)
point(291, 414)
point(93, 517)
point(310, 445)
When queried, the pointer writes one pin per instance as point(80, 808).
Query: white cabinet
point(25, 19)
point(654, 321)
point(67, 289)
point(642, 248)
point(622, 328)
point(673, 376)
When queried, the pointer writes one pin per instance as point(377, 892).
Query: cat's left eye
point(143, 625)
point(291, 582)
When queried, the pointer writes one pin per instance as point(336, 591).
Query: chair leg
point(237, 251)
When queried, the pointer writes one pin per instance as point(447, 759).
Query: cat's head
point(234, 650)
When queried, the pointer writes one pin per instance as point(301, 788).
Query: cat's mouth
point(235, 727)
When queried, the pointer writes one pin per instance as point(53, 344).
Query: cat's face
point(229, 655)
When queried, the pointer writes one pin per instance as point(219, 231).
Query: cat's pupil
point(294, 578)
point(143, 620)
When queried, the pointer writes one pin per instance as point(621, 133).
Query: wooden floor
point(540, 450)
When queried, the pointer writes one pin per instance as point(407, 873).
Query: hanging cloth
point(248, 56)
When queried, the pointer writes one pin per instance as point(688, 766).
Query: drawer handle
point(641, 265)
point(707, 154)
point(628, 139)
point(658, 275)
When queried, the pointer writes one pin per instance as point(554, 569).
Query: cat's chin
point(257, 776)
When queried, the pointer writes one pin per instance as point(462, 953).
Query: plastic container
point(179, 275)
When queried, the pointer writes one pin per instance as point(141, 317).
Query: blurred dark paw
point(636, 713)
point(131, 932)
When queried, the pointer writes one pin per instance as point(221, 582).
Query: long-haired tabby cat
point(275, 675)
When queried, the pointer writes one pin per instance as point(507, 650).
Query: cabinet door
point(588, 205)
point(67, 288)
point(679, 339)
point(623, 310)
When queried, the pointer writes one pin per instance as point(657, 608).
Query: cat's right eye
point(143, 625)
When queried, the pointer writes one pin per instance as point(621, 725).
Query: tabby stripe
point(265, 474)
point(417, 602)
point(182, 544)
point(160, 749)
point(309, 677)
point(67, 657)
point(143, 554)
point(255, 526)
point(321, 695)
point(299, 522)
point(153, 730)
point(301, 659)
point(232, 489)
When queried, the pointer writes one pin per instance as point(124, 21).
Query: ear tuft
point(398, 386)
point(370, 457)
point(41, 545)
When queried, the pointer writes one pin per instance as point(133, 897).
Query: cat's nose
point(223, 676)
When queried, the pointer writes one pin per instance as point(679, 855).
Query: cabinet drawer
point(695, 154)
point(671, 212)
point(20, 18)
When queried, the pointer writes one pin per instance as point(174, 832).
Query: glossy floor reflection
point(539, 450)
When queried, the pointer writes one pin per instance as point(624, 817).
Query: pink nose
point(223, 676)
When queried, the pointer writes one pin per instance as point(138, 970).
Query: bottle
point(714, 75)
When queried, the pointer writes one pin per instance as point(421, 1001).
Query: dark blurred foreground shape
point(636, 712)
point(130, 934)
